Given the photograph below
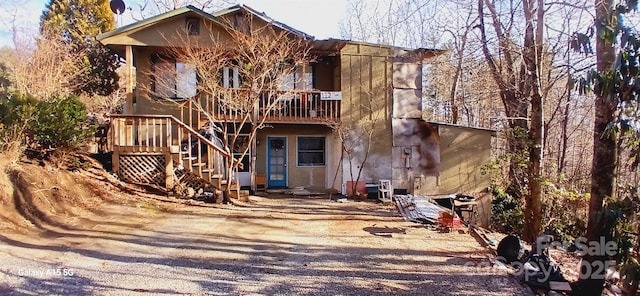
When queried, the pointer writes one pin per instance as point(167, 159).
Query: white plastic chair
point(385, 191)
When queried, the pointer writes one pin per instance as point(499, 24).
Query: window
point(311, 151)
point(240, 144)
point(230, 77)
point(193, 26)
point(174, 79)
point(297, 79)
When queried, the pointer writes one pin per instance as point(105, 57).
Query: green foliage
point(61, 123)
point(621, 224)
point(5, 81)
point(16, 112)
point(581, 42)
point(73, 20)
point(621, 215)
point(565, 211)
point(506, 212)
point(507, 208)
point(630, 272)
point(620, 85)
point(77, 22)
point(101, 78)
point(493, 169)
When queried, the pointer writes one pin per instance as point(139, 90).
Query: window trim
point(324, 152)
point(158, 59)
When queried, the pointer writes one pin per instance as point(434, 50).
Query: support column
point(129, 76)
point(254, 146)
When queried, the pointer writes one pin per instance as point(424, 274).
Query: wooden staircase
point(164, 151)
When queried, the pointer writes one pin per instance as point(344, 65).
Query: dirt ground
point(84, 233)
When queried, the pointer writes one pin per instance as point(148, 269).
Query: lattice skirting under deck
point(147, 169)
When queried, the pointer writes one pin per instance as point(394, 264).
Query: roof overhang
point(108, 37)
point(492, 131)
point(327, 46)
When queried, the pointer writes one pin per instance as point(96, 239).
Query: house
point(361, 96)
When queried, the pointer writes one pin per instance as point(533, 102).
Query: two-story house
point(365, 98)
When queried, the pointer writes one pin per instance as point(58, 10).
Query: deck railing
point(274, 107)
point(164, 134)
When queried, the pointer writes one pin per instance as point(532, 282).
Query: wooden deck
point(155, 149)
point(307, 107)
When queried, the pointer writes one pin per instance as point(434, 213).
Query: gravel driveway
point(274, 246)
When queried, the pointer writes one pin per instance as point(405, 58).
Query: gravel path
point(275, 246)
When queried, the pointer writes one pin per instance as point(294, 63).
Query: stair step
point(199, 164)
point(213, 176)
point(189, 158)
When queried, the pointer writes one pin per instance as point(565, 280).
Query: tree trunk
point(564, 136)
point(604, 155)
point(531, 55)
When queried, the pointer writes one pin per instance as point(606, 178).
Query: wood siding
point(463, 152)
point(366, 83)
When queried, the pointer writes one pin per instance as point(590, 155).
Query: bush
point(16, 113)
point(61, 122)
point(565, 211)
point(506, 212)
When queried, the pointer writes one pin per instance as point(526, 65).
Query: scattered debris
point(419, 209)
point(510, 249)
point(535, 267)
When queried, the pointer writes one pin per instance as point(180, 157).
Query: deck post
point(168, 171)
point(129, 79)
point(115, 162)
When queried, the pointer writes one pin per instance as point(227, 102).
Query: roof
point(422, 49)
point(493, 131)
point(264, 17)
point(158, 18)
point(333, 45)
point(329, 45)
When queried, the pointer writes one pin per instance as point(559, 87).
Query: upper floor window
point(174, 78)
point(230, 77)
point(300, 79)
point(193, 25)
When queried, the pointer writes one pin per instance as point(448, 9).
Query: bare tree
point(45, 69)
point(519, 89)
point(262, 59)
point(357, 139)
point(399, 23)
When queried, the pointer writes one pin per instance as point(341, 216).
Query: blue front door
point(277, 162)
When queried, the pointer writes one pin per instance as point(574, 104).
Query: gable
point(237, 15)
point(169, 29)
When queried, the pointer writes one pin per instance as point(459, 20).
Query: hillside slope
point(35, 196)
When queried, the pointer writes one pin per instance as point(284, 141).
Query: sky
point(319, 18)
